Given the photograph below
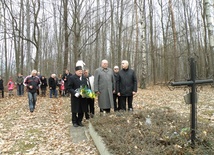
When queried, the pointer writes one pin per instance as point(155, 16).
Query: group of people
point(11, 85)
point(114, 88)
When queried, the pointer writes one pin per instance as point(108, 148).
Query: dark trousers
point(77, 118)
point(66, 91)
point(2, 93)
point(20, 89)
point(61, 92)
point(43, 90)
point(37, 91)
point(116, 102)
point(90, 107)
point(123, 102)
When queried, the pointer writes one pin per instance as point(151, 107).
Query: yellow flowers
point(87, 93)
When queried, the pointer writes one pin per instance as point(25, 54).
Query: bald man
point(104, 86)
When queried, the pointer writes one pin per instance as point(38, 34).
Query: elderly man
point(78, 103)
point(104, 86)
point(32, 83)
point(53, 81)
point(126, 85)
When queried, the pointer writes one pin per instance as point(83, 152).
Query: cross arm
point(181, 83)
point(186, 83)
point(204, 81)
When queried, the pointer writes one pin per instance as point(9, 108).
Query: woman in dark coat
point(78, 104)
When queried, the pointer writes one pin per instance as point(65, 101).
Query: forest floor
point(47, 130)
point(166, 131)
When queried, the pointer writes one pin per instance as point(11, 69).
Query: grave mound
point(164, 132)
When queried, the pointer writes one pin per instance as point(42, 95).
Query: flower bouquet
point(86, 93)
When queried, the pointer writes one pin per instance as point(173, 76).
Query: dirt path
point(45, 131)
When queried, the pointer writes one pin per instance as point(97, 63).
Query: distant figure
point(43, 86)
point(127, 85)
point(115, 96)
point(20, 85)
point(2, 87)
point(65, 78)
point(104, 86)
point(61, 86)
point(10, 86)
point(40, 76)
point(52, 82)
point(32, 83)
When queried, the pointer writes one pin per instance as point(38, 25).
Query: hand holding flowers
point(86, 92)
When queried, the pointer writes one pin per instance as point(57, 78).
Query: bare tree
point(174, 40)
point(36, 32)
point(143, 76)
point(210, 26)
point(66, 33)
point(28, 36)
point(5, 42)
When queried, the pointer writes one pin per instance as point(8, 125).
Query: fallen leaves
point(45, 131)
point(165, 131)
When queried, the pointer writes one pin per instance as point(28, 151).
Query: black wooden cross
point(193, 98)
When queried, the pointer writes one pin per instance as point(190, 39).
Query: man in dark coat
point(115, 96)
point(2, 87)
point(53, 81)
point(65, 78)
point(127, 85)
point(78, 103)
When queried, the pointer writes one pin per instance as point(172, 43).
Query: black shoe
point(80, 124)
point(31, 110)
point(75, 125)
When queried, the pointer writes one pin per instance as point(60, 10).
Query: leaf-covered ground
point(45, 131)
point(128, 133)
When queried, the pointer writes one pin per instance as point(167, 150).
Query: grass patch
point(22, 146)
point(33, 131)
point(169, 133)
point(208, 112)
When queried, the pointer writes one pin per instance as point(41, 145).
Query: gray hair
point(125, 62)
point(34, 72)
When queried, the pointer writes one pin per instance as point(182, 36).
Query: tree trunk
point(174, 41)
point(65, 21)
point(36, 34)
